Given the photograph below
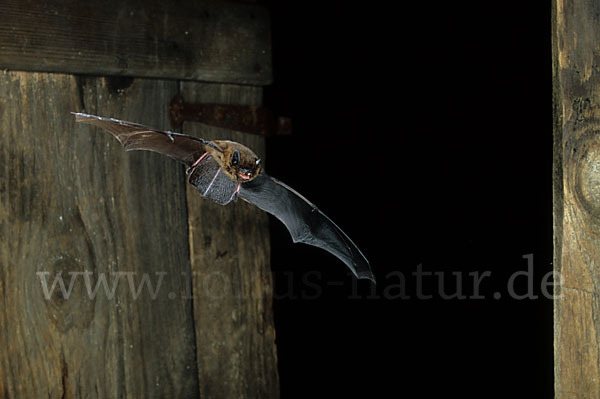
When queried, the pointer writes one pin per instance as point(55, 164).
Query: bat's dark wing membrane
point(208, 178)
point(305, 221)
point(133, 136)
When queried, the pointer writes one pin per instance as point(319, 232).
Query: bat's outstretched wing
point(133, 136)
point(208, 178)
point(305, 221)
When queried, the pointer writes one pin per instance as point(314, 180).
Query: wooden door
point(163, 294)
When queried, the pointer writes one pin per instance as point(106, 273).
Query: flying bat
point(223, 171)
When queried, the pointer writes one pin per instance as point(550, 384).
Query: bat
point(223, 171)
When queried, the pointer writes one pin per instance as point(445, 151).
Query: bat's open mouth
point(245, 175)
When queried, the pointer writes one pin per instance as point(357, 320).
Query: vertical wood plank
point(576, 51)
point(73, 204)
point(232, 285)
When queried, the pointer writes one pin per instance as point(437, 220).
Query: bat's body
point(224, 170)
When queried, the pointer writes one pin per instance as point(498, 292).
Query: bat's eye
point(235, 158)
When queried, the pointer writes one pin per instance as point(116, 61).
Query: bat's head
point(238, 161)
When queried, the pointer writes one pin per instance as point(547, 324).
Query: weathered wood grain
point(232, 285)
point(218, 41)
point(576, 73)
point(71, 201)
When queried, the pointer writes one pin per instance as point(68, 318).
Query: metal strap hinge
point(242, 118)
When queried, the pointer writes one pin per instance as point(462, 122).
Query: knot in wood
point(582, 162)
point(62, 289)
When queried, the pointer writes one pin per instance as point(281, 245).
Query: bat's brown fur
point(249, 166)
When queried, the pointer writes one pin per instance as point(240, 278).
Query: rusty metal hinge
point(242, 118)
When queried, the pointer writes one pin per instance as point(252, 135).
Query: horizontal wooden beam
point(191, 40)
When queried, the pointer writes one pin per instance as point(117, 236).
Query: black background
point(425, 132)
